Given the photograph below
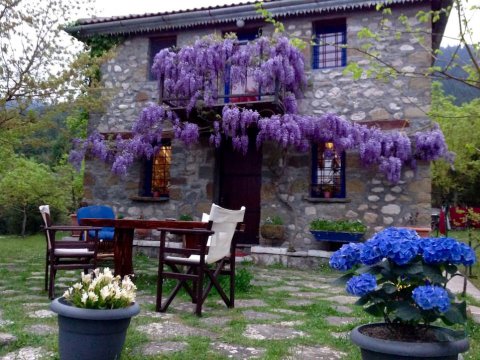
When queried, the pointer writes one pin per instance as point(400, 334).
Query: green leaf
point(451, 269)
point(367, 269)
point(457, 314)
point(363, 300)
point(342, 280)
point(449, 336)
point(375, 310)
point(414, 268)
point(434, 274)
point(389, 288)
point(407, 312)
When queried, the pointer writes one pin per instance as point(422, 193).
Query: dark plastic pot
point(89, 333)
point(378, 349)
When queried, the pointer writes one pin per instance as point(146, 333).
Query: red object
point(458, 217)
point(442, 223)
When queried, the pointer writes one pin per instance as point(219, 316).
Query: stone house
point(185, 181)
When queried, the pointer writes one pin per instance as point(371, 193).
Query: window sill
point(325, 200)
point(328, 67)
point(149, 199)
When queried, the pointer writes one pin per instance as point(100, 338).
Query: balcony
point(249, 95)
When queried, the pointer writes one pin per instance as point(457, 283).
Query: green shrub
point(185, 217)
point(338, 225)
point(274, 220)
point(243, 277)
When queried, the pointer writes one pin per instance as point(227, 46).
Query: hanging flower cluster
point(194, 73)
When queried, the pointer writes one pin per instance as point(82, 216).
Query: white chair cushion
point(193, 259)
point(82, 251)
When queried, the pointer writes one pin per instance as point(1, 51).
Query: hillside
point(462, 93)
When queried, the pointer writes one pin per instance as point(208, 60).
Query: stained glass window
point(328, 171)
point(156, 174)
point(161, 170)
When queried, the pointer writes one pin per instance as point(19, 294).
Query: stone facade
point(370, 198)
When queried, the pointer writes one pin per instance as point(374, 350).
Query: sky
point(106, 8)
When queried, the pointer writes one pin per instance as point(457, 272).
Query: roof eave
point(212, 16)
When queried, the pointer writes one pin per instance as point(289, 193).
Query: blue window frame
point(156, 179)
point(328, 49)
point(243, 37)
point(328, 171)
point(157, 44)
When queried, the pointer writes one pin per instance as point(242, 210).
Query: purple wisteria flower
point(430, 145)
point(195, 75)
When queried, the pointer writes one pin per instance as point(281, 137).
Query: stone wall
point(370, 197)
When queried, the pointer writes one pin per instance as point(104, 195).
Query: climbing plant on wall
point(193, 75)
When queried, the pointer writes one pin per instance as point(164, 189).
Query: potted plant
point(337, 230)
point(402, 278)
point(93, 316)
point(327, 191)
point(272, 229)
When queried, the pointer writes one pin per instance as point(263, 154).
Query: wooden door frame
point(217, 192)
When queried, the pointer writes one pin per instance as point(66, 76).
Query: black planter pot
point(378, 349)
point(89, 333)
point(339, 236)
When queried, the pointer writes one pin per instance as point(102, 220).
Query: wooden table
point(124, 232)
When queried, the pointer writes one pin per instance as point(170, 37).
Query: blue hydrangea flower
point(441, 250)
point(361, 284)
point(403, 251)
point(468, 255)
point(346, 257)
point(429, 297)
point(371, 252)
point(398, 244)
point(395, 233)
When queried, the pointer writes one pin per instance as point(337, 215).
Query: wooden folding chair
point(206, 261)
point(66, 255)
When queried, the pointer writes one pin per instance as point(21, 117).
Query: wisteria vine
point(193, 74)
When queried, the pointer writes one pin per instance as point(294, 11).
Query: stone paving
point(168, 333)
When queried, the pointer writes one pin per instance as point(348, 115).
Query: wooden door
point(240, 181)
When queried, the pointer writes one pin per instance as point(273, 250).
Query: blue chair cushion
point(105, 234)
point(98, 212)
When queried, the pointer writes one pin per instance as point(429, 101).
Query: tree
point(462, 93)
point(381, 67)
point(34, 58)
point(457, 184)
point(41, 71)
point(47, 88)
point(29, 184)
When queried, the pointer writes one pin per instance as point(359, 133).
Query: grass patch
point(22, 262)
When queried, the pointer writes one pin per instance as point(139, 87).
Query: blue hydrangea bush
point(403, 278)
